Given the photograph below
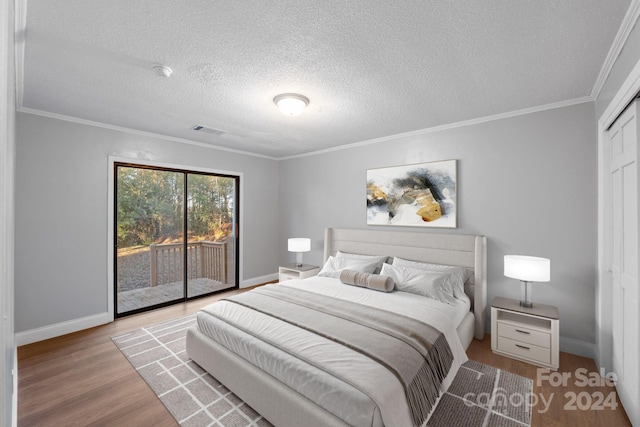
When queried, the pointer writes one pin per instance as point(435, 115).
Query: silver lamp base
point(298, 259)
point(525, 294)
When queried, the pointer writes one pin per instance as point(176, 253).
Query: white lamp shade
point(299, 244)
point(527, 268)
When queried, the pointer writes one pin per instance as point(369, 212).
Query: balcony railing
point(204, 260)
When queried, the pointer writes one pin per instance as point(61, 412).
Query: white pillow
point(334, 266)
point(430, 284)
point(459, 275)
point(379, 259)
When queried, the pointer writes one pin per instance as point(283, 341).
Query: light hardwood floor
point(82, 379)
point(563, 410)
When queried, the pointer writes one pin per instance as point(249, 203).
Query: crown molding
point(455, 125)
point(137, 132)
point(628, 23)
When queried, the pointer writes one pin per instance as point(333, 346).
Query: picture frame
point(415, 195)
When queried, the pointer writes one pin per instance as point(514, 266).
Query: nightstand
point(528, 334)
point(292, 271)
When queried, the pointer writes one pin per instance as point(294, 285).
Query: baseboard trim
point(75, 325)
point(259, 280)
point(14, 398)
point(579, 348)
point(62, 328)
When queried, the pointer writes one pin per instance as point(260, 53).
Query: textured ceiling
point(370, 68)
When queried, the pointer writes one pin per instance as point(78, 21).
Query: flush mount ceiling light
point(291, 104)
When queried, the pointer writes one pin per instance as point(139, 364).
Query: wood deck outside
point(153, 295)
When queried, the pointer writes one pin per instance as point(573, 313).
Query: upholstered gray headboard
point(468, 251)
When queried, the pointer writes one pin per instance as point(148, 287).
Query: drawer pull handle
point(523, 347)
point(523, 332)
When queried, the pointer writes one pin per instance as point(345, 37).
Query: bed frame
point(283, 406)
point(451, 249)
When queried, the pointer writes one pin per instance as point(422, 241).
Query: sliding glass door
point(211, 236)
point(176, 236)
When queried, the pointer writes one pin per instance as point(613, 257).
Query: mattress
point(340, 380)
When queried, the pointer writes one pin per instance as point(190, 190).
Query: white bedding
point(388, 301)
point(345, 394)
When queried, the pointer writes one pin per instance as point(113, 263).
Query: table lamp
point(299, 245)
point(527, 269)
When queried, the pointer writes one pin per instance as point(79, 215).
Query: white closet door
point(623, 197)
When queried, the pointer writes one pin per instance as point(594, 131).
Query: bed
point(291, 392)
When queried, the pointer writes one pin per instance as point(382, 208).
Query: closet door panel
point(623, 240)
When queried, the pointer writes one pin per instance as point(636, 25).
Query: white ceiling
point(370, 68)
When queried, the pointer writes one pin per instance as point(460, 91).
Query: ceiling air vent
point(211, 131)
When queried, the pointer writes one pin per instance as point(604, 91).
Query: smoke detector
point(162, 70)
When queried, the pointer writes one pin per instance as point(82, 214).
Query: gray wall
point(529, 183)
point(61, 204)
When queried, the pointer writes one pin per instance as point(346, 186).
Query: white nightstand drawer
point(528, 351)
point(292, 272)
point(528, 336)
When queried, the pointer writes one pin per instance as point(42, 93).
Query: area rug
point(480, 395)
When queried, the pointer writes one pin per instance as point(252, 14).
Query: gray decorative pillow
point(367, 280)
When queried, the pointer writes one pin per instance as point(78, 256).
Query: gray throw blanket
point(416, 353)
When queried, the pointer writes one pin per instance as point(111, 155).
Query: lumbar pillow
point(367, 280)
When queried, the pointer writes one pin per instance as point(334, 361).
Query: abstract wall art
point(418, 195)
